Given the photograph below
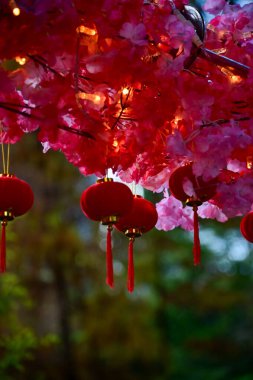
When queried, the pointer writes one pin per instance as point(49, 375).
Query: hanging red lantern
point(141, 218)
point(203, 191)
point(16, 198)
point(106, 201)
point(246, 227)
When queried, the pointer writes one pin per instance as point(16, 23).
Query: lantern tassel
point(3, 248)
point(109, 263)
point(196, 246)
point(130, 278)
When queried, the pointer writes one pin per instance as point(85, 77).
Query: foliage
point(17, 339)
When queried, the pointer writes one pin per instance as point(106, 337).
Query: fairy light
point(115, 144)
point(20, 60)
point(125, 91)
point(95, 98)
point(15, 9)
point(82, 29)
point(249, 162)
point(235, 79)
point(175, 122)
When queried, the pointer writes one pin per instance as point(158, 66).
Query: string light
point(249, 162)
point(15, 9)
point(95, 98)
point(125, 91)
point(20, 60)
point(235, 79)
point(82, 29)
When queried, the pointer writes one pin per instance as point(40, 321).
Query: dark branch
point(76, 132)
point(41, 62)
point(22, 113)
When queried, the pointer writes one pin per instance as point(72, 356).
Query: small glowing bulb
point(235, 79)
point(249, 162)
point(125, 91)
point(16, 11)
point(86, 30)
point(96, 99)
point(91, 97)
point(20, 60)
point(115, 144)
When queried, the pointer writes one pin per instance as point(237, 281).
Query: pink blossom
point(211, 211)
point(171, 214)
point(236, 198)
point(156, 183)
point(214, 6)
point(176, 145)
point(213, 148)
point(135, 33)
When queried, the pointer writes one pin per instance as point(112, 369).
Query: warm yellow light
point(235, 79)
point(96, 99)
point(86, 30)
point(125, 91)
point(16, 11)
point(91, 97)
point(249, 162)
point(20, 60)
point(115, 144)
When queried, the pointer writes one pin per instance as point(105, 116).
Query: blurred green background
point(58, 319)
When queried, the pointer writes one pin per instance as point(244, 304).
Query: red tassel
point(3, 249)
point(109, 263)
point(196, 246)
point(130, 278)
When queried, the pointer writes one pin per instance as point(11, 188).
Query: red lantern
point(140, 219)
point(246, 227)
point(16, 198)
point(203, 192)
point(106, 201)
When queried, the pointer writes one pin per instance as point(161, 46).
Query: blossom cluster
point(124, 85)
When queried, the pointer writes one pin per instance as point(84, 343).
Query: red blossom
point(121, 85)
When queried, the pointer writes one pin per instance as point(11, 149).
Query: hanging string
point(109, 260)
point(3, 158)
point(5, 161)
point(3, 248)
point(130, 274)
point(8, 159)
point(196, 246)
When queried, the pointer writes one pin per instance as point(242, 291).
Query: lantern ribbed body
point(246, 227)
point(142, 216)
point(16, 195)
point(106, 199)
point(204, 190)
